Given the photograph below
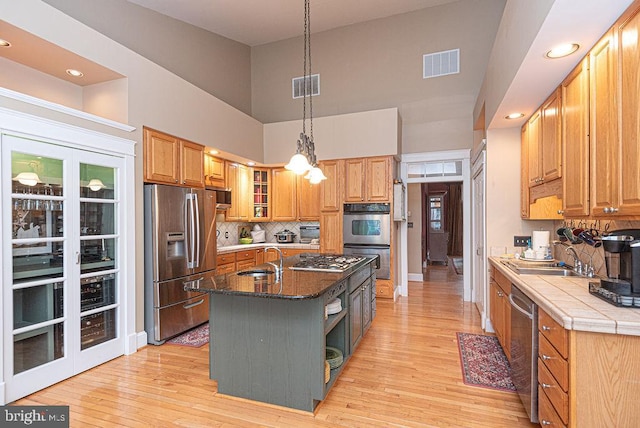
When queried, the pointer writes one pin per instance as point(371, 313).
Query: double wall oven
point(367, 232)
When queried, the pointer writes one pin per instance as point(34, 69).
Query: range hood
point(223, 198)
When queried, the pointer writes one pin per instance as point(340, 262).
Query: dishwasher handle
point(519, 308)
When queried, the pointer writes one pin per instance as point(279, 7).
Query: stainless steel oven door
point(383, 270)
point(369, 229)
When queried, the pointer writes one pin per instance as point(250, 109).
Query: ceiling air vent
point(441, 63)
point(312, 86)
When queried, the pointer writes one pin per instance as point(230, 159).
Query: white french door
point(61, 247)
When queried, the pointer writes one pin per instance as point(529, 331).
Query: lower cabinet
point(361, 306)
point(553, 372)
point(500, 309)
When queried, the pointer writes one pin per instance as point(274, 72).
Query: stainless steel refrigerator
point(180, 248)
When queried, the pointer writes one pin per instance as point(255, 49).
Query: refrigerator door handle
point(196, 210)
point(189, 225)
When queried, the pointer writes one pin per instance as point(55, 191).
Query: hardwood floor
point(405, 373)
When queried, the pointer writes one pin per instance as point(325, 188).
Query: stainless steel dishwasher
point(524, 350)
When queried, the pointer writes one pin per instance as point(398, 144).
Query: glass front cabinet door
point(63, 282)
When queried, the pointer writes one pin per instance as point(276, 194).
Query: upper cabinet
point(575, 141)
point(214, 171)
point(260, 194)
point(599, 138)
point(551, 157)
point(331, 189)
point(283, 198)
point(238, 182)
point(308, 200)
point(170, 160)
point(603, 133)
point(368, 179)
point(628, 36)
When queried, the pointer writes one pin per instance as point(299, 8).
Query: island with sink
point(270, 331)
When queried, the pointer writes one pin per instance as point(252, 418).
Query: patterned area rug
point(483, 362)
point(195, 337)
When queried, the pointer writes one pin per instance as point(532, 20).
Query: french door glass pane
point(37, 304)
point(37, 347)
point(97, 328)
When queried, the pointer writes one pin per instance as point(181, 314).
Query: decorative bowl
point(246, 240)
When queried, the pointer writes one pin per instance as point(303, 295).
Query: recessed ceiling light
point(251, 163)
point(4, 43)
point(74, 73)
point(514, 116)
point(562, 50)
point(213, 152)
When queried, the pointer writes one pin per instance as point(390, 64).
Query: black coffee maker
point(622, 260)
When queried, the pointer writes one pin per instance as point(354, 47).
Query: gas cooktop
point(326, 263)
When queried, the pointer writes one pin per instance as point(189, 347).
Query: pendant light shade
point(27, 178)
point(95, 184)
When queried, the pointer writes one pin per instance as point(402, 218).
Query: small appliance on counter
point(308, 233)
point(622, 260)
point(285, 237)
point(258, 234)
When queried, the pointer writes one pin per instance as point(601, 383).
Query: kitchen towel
point(539, 238)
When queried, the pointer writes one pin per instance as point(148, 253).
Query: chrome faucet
point(277, 268)
point(576, 260)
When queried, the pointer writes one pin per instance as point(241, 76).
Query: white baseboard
point(415, 277)
point(141, 339)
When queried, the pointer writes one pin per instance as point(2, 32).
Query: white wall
point(503, 191)
point(371, 133)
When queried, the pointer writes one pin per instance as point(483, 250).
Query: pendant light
point(28, 178)
point(304, 160)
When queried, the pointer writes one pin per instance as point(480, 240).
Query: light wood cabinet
point(283, 197)
point(534, 149)
point(238, 182)
point(331, 189)
point(575, 141)
point(551, 156)
point(214, 171)
point(260, 194)
point(500, 308)
point(628, 36)
point(553, 370)
point(170, 160)
point(524, 172)
point(604, 145)
point(225, 263)
point(331, 232)
point(368, 179)
point(308, 200)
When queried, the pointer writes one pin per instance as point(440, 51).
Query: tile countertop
point(567, 300)
point(239, 247)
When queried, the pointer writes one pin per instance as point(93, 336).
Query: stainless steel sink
point(550, 269)
point(256, 272)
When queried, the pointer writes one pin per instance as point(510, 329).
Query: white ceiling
point(256, 22)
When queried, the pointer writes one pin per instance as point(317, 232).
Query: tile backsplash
point(228, 231)
point(586, 252)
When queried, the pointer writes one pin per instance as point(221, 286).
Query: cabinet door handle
point(561, 212)
point(545, 357)
point(545, 422)
point(546, 328)
point(78, 258)
point(545, 385)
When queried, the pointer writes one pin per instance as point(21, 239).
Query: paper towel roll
point(539, 238)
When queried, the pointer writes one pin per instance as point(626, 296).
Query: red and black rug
point(195, 337)
point(483, 362)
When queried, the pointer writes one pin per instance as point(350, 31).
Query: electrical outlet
point(520, 241)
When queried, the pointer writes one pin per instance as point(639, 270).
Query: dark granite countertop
point(294, 284)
